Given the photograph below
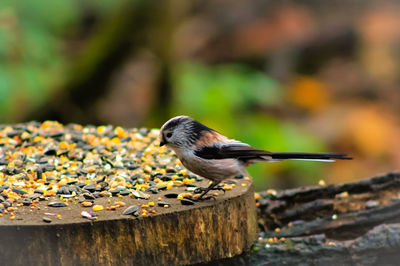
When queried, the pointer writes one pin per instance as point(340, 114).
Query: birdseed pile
point(51, 173)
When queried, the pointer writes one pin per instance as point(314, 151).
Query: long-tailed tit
point(211, 155)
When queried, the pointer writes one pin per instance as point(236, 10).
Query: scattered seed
point(163, 204)
point(105, 194)
point(19, 191)
point(88, 196)
point(88, 215)
point(171, 195)
point(124, 192)
point(27, 202)
point(187, 202)
point(90, 187)
point(120, 204)
point(131, 210)
point(140, 195)
point(196, 196)
point(87, 203)
point(62, 164)
point(98, 208)
point(57, 204)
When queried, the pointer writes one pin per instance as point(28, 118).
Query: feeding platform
point(74, 195)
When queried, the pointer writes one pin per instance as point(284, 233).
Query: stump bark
point(203, 232)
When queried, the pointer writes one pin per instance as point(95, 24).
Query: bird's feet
point(204, 189)
point(204, 198)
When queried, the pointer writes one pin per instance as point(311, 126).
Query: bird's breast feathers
point(211, 169)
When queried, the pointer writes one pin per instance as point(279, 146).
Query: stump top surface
point(42, 163)
point(71, 214)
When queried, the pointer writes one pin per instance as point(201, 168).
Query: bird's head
point(182, 131)
point(175, 131)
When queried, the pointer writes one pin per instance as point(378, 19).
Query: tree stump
point(206, 231)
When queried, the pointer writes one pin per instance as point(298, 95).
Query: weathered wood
point(351, 224)
point(341, 212)
point(207, 231)
point(379, 246)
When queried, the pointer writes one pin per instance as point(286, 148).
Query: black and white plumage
point(211, 155)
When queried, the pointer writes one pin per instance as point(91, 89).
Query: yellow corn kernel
point(98, 208)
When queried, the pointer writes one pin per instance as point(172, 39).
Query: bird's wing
point(249, 155)
point(237, 150)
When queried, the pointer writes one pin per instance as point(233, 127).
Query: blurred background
point(311, 76)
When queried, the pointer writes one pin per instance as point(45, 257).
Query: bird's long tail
point(325, 157)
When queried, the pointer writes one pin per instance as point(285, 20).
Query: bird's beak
point(162, 142)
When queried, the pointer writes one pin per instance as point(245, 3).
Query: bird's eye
point(169, 134)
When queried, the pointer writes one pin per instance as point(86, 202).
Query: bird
point(211, 155)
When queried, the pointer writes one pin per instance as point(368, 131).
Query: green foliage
point(32, 36)
point(226, 98)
